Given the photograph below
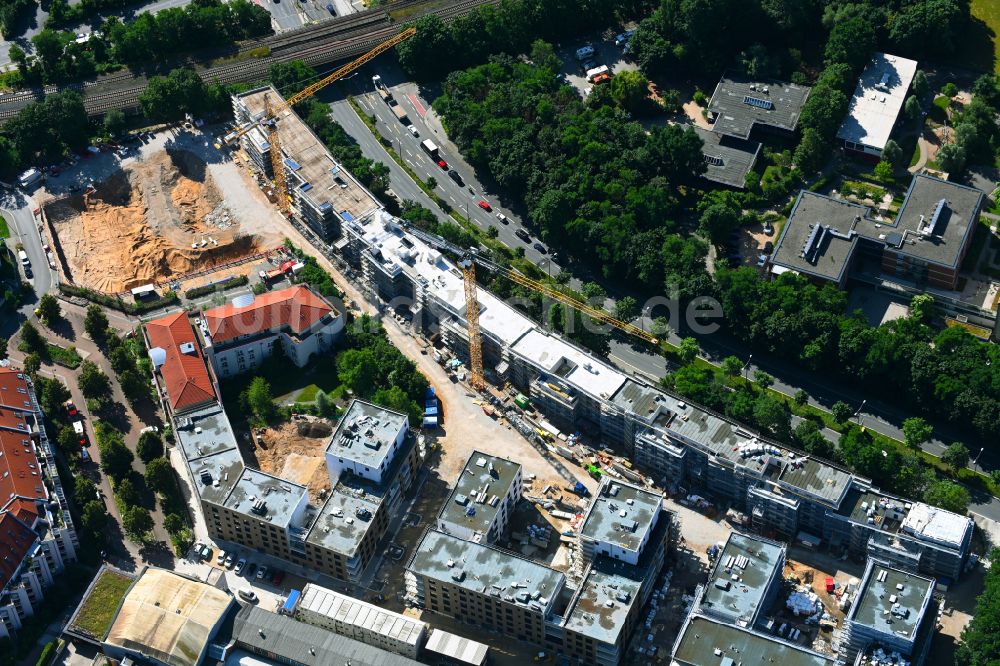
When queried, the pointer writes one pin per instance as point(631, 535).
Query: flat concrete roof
point(605, 522)
point(345, 517)
point(943, 244)
point(281, 498)
point(457, 647)
point(930, 523)
point(728, 159)
point(829, 254)
point(742, 575)
point(481, 471)
point(581, 370)
point(366, 434)
point(739, 102)
point(322, 180)
point(891, 601)
point(486, 570)
point(605, 600)
point(877, 101)
point(707, 642)
point(348, 610)
point(169, 617)
point(207, 442)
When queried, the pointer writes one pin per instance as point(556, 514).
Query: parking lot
point(605, 52)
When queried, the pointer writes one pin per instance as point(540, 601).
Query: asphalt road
point(17, 208)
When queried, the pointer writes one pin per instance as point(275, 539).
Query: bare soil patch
point(296, 450)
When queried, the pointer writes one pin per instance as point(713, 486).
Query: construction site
point(153, 220)
point(294, 450)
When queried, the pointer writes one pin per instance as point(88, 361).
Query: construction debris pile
point(152, 221)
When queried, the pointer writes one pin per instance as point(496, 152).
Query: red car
point(443, 164)
point(277, 577)
point(484, 205)
point(71, 408)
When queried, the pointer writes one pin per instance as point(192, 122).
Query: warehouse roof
point(486, 475)
point(746, 569)
point(891, 601)
point(168, 617)
point(740, 102)
point(728, 159)
point(486, 570)
point(289, 641)
point(344, 609)
point(703, 641)
point(621, 514)
point(878, 99)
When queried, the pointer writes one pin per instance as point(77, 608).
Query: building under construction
point(323, 193)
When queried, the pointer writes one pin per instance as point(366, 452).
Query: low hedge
point(116, 303)
point(228, 283)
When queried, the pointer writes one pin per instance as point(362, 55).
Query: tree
point(922, 307)
point(32, 364)
point(949, 90)
point(763, 380)
point(3, 348)
point(544, 55)
point(48, 309)
point(169, 97)
point(948, 495)
point(626, 308)
point(68, 441)
point(94, 517)
point(660, 327)
point(431, 182)
point(980, 642)
point(841, 411)
point(133, 385)
point(93, 383)
point(718, 221)
point(732, 366)
point(951, 157)
point(356, 369)
point(31, 339)
point(630, 90)
point(83, 490)
point(159, 476)
point(594, 291)
point(95, 323)
point(325, 406)
point(812, 151)
point(688, 350)
point(916, 431)
point(126, 493)
point(956, 456)
point(883, 171)
point(801, 398)
point(772, 414)
point(892, 153)
point(810, 437)
point(150, 446)
point(995, 476)
point(912, 108)
point(395, 398)
point(136, 522)
point(173, 523)
point(114, 123)
point(259, 399)
point(921, 86)
point(492, 231)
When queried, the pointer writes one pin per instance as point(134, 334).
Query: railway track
point(317, 45)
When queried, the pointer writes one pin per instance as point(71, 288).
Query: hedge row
point(116, 303)
point(228, 283)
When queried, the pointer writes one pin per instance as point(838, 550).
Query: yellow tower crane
point(468, 266)
point(272, 111)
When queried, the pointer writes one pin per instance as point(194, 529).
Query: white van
point(23, 256)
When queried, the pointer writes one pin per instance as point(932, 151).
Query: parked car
point(522, 234)
point(250, 569)
point(248, 595)
point(221, 559)
point(230, 561)
point(240, 566)
point(262, 572)
point(484, 205)
point(761, 260)
point(277, 576)
point(330, 8)
point(71, 409)
point(206, 553)
point(541, 248)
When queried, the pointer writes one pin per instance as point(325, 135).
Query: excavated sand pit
point(296, 451)
point(152, 221)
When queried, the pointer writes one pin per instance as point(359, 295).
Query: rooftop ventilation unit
point(259, 507)
point(187, 348)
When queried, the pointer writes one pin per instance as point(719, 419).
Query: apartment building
point(877, 102)
point(894, 612)
point(619, 522)
point(366, 442)
point(479, 506)
point(360, 620)
point(323, 193)
point(783, 492)
point(296, 321)
point(744, 580)
point(182, 380)
point(37, 536)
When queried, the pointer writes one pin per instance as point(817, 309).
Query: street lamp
point(747, 365)
point(857, 414)
point(975, 461)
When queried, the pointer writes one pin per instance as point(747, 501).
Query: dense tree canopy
point(981, 636)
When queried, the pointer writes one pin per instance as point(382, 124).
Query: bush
point(48, 652)
point(116, 303)
point(228, 283)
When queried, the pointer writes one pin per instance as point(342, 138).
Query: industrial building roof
point(878, 99)
point(348, 610)
point(746, 569)
point(180, 363)
point(457, 648)
point(169, 617)
point(621, 514)
point(320, 179)
point(571, 364)
point(346, 516)
point(289, 641)
point(728, 159)
point(295, 309)
point(820, 253)
point(602, 606)
point(891, 601)
point(267, 497)
point(482, 485)
point(486, 570)
point(366, 434)
point(937, 525)
point(704, 641)
point(740, 102)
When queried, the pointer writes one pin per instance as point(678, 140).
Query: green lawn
point(65, 356)
point(4, 229)
point(99, 607)
point(983, 36)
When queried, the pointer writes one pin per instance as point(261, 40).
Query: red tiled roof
point(16, 540)
point(296, 307)
point(185, 376)
point(25, 511)
point(14, 399)
point(20, 473)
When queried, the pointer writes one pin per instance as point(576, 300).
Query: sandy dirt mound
point(151, 222)
point(297, 451)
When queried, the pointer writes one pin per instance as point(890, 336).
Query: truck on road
point(429, 147)
point(382, 89)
